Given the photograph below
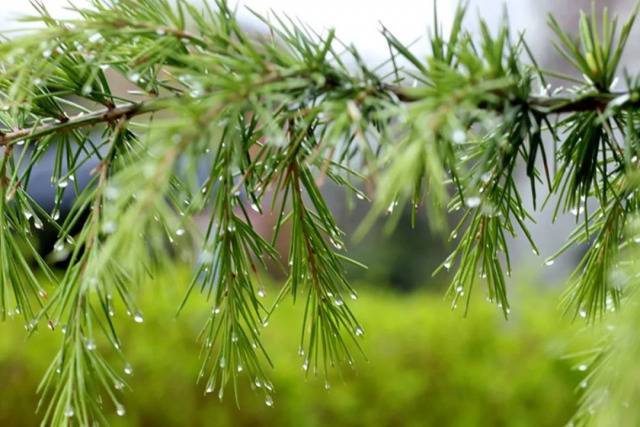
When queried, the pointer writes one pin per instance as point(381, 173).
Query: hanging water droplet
point(353, 296)
point(336, 244)
point(133, 76)
point(584, 384)
point(222, 362)
point(95, 37)
point(268, 400)
point(180, 232)
point(460, 290)
point(549, 262)
point(359, 196)
point(59, 246)
point(583, 367)
point(535, 251)
point(209, 389)
point(305, 365)
point(338, 302)
point(327, 386)
point(239, 368)
point(255, 207)
point(37, 223)
point(86, 89)
point(138, 318)
point(447, 265)
point(391, 207)
point(109, 227)
point(258, 383)
point(119, 385)
point(582, 313)
point(120, 410)
point(90, 345)
point(261, 293)
point(68, 411)
point(359, 332)
point(27, 214)
point(459, 136)
point(128, 369)
point(472, 202)
point(63, 183)
point(216, 310)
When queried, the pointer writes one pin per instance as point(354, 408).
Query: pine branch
point(266, 117)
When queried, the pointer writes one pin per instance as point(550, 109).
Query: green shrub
point(427, 366)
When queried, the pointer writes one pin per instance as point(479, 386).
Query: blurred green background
point(427, 366)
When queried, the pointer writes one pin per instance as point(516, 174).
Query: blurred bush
point(427, 366)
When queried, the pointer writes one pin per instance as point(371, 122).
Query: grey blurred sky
point(356, 21)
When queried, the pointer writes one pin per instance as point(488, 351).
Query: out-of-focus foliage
point(427, 366)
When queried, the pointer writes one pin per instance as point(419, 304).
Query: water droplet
point(138, 318)
point(120, 410)
point(109, 227)
point(27, 214)
point(239, 368)
point(447, 265)
point(583, 367)
point(359, 196)
point(472, 202)
point(222, 362)
point(460, 290)
point(128, 369)
point(95, 37)
point(68, 411)
point(261, 293)
point(180, 232)
point(353, 296)
point(535, 251)
point(134, 76)
point(90, 345)
point(392, 206)
point(336, 244)
point(549, 262)
point(584, 384)
point(216, 310)
point(209, 389)
point(305, 365)
point(255, 207)
point(582, 313)
point(111, 192)
point(459, 136)
point(359, 332)
point(63, 183)
point(338, 302)
point(37, 223)
point(59, 246)
point(119, 385)
point(268, 400)
point(327, 386)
